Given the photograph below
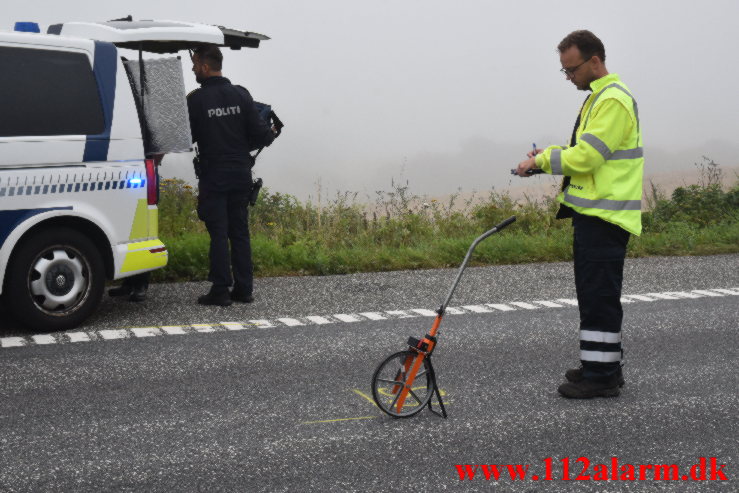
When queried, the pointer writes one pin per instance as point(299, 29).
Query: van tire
point(56, 279)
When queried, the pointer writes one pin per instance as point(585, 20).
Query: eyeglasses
point(570, 72)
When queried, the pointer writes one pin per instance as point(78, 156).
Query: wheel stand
point(436, 391)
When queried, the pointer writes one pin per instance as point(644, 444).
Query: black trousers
point(599, 249)
point(223, 200)
point(139, 281)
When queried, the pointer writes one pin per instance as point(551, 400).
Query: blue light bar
point(27, 27)
point(135, 182)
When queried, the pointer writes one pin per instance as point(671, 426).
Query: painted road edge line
point(487, 309)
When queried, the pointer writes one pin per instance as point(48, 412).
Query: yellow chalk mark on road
point(336, 420)
point(362, 394)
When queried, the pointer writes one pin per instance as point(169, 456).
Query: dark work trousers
point(223, 199)
point(599, 248)
point(139, 281)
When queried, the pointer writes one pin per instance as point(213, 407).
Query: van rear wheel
point(56, 279)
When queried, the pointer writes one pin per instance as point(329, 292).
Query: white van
point(78, 186)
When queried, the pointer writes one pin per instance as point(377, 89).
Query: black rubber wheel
point(391, 376)
point(56, 278)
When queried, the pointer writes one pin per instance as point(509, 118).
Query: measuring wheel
point(391, 377)
point(405, 382)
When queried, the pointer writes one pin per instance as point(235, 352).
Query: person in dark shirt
point(226, 126)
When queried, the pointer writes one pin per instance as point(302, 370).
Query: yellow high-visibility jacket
point(606, 165)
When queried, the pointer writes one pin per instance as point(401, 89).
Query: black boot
point(138, 294)
point(575, 375)
point(122, 290)
point(587, 389)
point(241, 296)
point(218, 298)
point(134, 287)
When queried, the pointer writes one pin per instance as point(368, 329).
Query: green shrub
point(405, 231)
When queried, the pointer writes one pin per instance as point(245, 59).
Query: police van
point(80, 128)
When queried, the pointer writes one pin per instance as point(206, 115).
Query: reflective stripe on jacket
point(607, 163)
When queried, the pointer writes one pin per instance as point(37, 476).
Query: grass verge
point(404, 231)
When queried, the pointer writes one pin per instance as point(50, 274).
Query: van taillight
point(152, 192)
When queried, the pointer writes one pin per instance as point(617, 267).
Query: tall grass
point(401, 230)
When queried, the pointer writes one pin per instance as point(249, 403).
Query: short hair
point(587, 42)
point(211, 55)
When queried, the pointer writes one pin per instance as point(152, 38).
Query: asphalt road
point(279, 400)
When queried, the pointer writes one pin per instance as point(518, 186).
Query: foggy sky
point(450, 95)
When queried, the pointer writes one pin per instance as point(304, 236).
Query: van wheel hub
point(58, 280)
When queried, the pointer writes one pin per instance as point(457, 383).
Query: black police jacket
point(225, 123)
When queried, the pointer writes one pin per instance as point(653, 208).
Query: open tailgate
point(158, 36)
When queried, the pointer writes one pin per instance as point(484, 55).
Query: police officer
point(226, 127)
point(603, 169)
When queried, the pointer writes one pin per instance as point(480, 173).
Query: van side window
point(48, 92)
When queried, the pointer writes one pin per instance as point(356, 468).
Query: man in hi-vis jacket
point(601, 192)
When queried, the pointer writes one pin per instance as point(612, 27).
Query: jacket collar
point(599, 84)
point(210, 81)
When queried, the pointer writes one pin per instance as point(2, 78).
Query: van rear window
point(48, 92)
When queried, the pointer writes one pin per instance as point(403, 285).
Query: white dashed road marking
point(639, 297)
point(173, 331)
point(487, 308)
point(233, 326)
point(261, 324)
point(455, 311)
point(401, 314)
point(567, 301)
point(501, 307)
point(477, 308)
point(521, 304)
point(663, 296)
point(733, 292)
point(549, 304)
point(146, 331)
point(424, 312)
point(705, 292)
point(113, 334)
point(43, 339)
point(12, 342)
point(78, 337)
point(203, 328)
point(683, 294)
